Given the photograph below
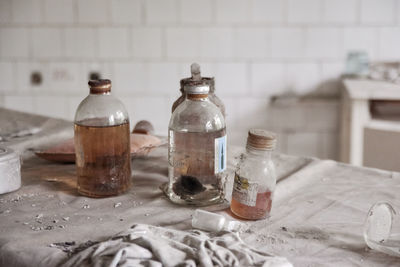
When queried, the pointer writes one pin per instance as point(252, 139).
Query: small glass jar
point(102, 143)
point(196, 77)
point(197, 150)
point(255, 177)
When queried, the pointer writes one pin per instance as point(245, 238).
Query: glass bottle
point(255, 177)
point(102, 143)
point(197, 150)
point(196, 77)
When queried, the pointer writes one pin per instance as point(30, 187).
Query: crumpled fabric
point(146, 245)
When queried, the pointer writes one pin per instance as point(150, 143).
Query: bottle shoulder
point(197, 116)
point(101, 110)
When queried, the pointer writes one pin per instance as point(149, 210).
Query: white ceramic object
point(10, 170)
point(212, 222)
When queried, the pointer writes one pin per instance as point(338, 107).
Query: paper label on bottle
point(245, 192)
point(220, 154)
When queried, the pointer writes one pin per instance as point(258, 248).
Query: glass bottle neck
point(258, 152)
point(100, 94)
point(197, 97)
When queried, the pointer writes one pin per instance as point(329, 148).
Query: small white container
point(10, 170)
point(212, 222)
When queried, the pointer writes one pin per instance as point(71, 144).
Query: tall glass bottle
point(197, 150)
point(255, 177)
point(102, 143)
point(196, 77)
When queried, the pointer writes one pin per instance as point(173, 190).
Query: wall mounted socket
point(36, 78)
point(94, 75)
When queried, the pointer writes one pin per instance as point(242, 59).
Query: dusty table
point(317, 217)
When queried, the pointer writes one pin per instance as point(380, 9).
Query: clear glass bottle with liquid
point(255, 177)
point(102, 143)
point(196, 77)
point(197, 150)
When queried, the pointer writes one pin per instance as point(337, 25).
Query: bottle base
point(249, 213)
point(212, 199)
point(92, 194)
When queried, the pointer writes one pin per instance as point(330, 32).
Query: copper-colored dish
point(141, 144)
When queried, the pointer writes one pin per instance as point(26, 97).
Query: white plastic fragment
point(212, 222)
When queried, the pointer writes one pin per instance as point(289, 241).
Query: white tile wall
point(196, 12)
point(340, 11)
point(267, 11)
point(232, 11)
point(5, 11)
point(21, 103)
point(14, 42)
point(268, 79)
point(55, 105)
point(134, 76)
point(147, 42)
point(162, 78)
point(59, 12)
point(93, 11)
point(47, 43)
point(378, 12)
point(323, 43)
point(255, 48)
point(228, 84)
point(161, 11)
point(126, 11)
point(217, 43)
point(80, 42)
point(303, 78)
point(114, 43)
point(361, 39)
point(389, 43)
point(183, 42)
point(26, 11)
point(251, 43)
point(287, 42)
point(304, 12)
point(7, 78)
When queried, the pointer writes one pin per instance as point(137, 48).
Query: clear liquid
point(191, 170)
point(261, 210)
point(103, 159)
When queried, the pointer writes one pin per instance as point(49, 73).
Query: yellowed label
point(244, 191)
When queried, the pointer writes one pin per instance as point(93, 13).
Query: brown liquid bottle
point(102, 143)
point(255, 177)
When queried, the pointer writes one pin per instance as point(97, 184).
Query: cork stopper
point(261, 139)
point(100, 86)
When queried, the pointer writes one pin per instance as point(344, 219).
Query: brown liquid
point(260, 211)
point(103, 159)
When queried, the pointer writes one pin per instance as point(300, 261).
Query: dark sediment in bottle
point(192, 162)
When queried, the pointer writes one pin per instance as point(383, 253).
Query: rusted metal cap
point(100, 86)
point(197, 89)
point(261, 139)
point(197, 78)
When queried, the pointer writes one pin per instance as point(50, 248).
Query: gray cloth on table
point(146, 245)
